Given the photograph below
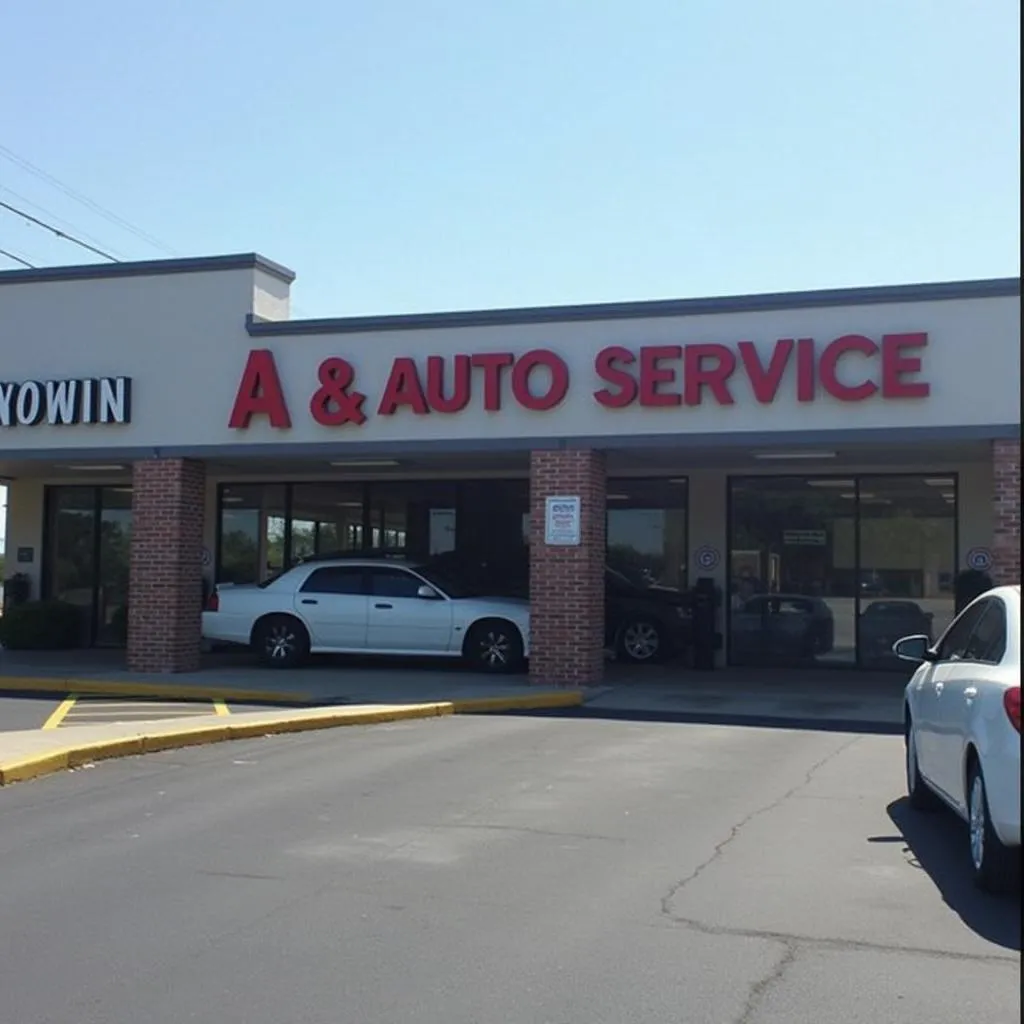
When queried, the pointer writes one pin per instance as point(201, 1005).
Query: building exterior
point(830, 459)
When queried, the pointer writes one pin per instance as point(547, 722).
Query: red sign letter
point(333, 404)
point(260, 393)
point(830, 362)
point(805, 379)
point(493, 363)
point(652, 374)
point(403, 388)
point(696, 376)
point(557, 389)
point(766, 382)
point(435, 384)
point(606, 365)
point(895, 365)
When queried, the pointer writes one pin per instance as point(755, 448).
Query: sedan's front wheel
point(281, 641)
point(992, 863)
point(494, 646)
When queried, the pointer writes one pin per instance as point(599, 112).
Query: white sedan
point(962, 719)
point(353, 606)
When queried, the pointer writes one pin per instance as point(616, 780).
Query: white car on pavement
point(369, 606)
point(962, 727)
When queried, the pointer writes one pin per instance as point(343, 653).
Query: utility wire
point(64, 225)
point(58, 232)
point(27, 165)
point(17, 259)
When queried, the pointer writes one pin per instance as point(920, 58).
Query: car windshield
point(452, 583)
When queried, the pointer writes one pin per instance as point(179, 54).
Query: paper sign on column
point(562, 521)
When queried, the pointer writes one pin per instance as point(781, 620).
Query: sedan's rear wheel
point(281, 641)
point(494, 646)
point(992, 864)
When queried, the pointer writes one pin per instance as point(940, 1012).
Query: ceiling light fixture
point(111, 468)
point(786, 456)
point(364, 463)
point(939, 481)
point(831, 482)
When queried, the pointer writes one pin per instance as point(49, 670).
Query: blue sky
point(432, 155)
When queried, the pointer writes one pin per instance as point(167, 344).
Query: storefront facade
point(829, 458)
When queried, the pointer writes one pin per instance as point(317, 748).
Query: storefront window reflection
point(834, 570)
point(646, 530)
point(88, 556)
point(325, 518)
point(907, 561)
point(253, 522)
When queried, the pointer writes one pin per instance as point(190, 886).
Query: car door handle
point(939, 687)
point(383, 606)
point(971, 692)
point(310, 600)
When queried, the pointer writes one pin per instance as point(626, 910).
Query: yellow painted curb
point(169, 691)
point(528, 702)
point(194, 735)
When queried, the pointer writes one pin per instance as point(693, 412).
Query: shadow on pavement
point(938, 844)
point(808, 723)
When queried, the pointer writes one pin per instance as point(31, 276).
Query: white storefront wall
point(183, 341)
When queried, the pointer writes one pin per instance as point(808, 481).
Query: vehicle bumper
point(1002, 782)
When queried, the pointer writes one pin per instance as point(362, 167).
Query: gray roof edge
point(978, 289)
point(149, 268)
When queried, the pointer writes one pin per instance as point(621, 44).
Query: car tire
point(993, 865)
point(494, 646)
point(281, 641)
point(920, 795)
point(642, 641)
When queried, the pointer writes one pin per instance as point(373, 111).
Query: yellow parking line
point(60, 713)
point(221, 708)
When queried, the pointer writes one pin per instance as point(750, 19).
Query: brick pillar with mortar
point(165, 585)
point(1006, 512)
point(567, 582)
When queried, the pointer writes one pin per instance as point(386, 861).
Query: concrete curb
point(65, 754)
point(58, 751)
point(128, 688)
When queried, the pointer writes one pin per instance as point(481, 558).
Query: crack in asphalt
point(792, 943)
point(760, 988)
point(527, 830)
point(669, 898)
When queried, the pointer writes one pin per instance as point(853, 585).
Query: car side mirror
point(915, 648)
point(428, 593)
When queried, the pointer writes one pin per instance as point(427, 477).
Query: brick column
point(165, 591)
point(567, 583)
point(1006, 512)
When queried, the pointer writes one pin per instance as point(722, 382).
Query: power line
point(27, 165)
point(17, 259)
point(58, 221)
point(58, 232)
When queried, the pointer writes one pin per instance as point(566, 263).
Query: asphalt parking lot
point(518, 869)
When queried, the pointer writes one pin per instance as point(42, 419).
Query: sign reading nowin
point(58, 403)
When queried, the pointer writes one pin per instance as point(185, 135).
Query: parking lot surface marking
point(60, 712)
point(91, 711)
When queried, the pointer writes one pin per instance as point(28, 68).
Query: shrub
point(41, 626)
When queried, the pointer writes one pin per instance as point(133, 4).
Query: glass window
point(954, 644)
point(88, 556)
point(417, 517)
point(71, 546)
point(646, 531)
point(988, 641)
point(252, 532)
point(335, 579)
point(115, 543)
point(326, 518)
point(907, 544)
point(792, 586)
point(394, 583)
